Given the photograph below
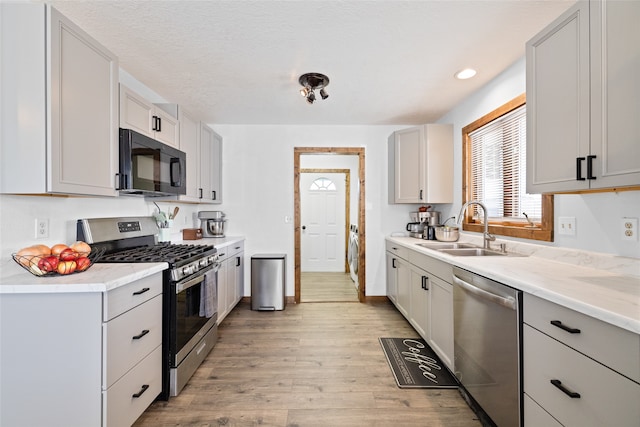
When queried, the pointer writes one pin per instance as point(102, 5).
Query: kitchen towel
point(208, 294)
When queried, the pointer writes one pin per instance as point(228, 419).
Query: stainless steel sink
point(477, 252)
point(445, 245)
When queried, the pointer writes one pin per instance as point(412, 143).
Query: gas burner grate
point(166, 252)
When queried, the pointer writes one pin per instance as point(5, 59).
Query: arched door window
point(322, 184)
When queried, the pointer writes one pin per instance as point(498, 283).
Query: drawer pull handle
point(143, 333)
point(141, 392)
point(142, 291)
point(425, 283)
point(571, 394)
point(569, 329)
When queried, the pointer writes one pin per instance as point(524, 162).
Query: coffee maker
point(212, 223)
point(423, 224)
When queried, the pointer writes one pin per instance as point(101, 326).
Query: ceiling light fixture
point(467, 73)
point(312, 82)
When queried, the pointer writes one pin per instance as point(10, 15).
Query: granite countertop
point(98, 278)
point(598, 285)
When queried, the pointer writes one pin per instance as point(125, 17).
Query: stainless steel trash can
point(268, 272)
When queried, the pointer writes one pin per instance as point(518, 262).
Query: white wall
point(597, 214)
point(258, 187)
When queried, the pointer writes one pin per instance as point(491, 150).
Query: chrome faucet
point(486, 235)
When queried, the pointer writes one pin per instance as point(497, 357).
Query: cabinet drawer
point(123, 350)
point(535, 416)
point(431, 265)
point(230, 250)
point(606, 397)
point(610, 345)
point(124, 298)
point(120, 407)
point(397, 250)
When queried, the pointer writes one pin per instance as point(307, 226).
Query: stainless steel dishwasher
point(487, 346)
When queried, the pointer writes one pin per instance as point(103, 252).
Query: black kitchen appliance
point(150, 168)
point(189, 289)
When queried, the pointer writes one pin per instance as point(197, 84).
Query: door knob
point(304, 227)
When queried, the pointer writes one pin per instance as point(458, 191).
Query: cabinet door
point(206, 163)
point(136, 113)
point(222, 290)
point(84, 111)
point(231, 283)
point(216, 168)
point(441, 320)
point(419, 312)
point(239, 277)
point(167, 128)
point(190, 144)
point(615, 91)
point(558, 103)
point(392, 281)
point(404, 287)
point(406, 154)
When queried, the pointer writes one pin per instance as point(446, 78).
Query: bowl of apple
point(57, 260)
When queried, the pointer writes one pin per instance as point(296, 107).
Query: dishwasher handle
point(497, 299)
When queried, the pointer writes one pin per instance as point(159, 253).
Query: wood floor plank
point(312, 364)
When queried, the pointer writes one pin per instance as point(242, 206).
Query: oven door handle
point(497, 299)
point(181, 286)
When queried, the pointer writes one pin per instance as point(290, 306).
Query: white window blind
point(498, 169)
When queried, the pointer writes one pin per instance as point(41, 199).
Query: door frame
point(349, 151)
point(347, 203)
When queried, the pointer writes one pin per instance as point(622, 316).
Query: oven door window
point(188, 319)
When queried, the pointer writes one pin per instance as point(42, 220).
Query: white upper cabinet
point(190, 144)
point(210, 165)
point(59, 105)
point(582, 92)
point(421, 164)
point(140, 115)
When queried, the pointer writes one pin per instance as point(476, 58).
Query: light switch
point(567, 225)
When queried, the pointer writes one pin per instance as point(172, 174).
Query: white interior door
point(322, 201)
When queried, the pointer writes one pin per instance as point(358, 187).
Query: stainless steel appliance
point(415, 229)
point(212, 223)
point(149, 167)
point(487, 346)
point(189, 289)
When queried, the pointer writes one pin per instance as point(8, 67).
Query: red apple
point(68, 255)
point(66, 267)
point(49, 263)
point(82, 263)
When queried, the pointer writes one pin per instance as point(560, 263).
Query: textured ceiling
point(238, 62)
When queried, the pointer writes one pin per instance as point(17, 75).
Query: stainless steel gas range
point(189, 289)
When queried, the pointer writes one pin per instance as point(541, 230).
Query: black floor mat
point(415, 365)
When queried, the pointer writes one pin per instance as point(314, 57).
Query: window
point(322, 184)
point(494, 158)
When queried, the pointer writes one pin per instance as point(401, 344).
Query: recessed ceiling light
point(467, 73)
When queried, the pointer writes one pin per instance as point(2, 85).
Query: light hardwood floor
point(327, 287)
point(308, 365)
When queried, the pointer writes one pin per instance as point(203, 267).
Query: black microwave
point(150, 168)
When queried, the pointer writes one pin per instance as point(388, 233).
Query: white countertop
point(602, 293)
point(98, 278)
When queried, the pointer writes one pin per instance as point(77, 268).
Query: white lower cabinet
point(230, 277)
point(81, 359)
point(578, 370)
point(419, 286)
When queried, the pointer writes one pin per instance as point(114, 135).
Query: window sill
point(521, 232)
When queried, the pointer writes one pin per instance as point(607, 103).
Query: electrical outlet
point(629, 229)
point(567, 225)
point(42, 228)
